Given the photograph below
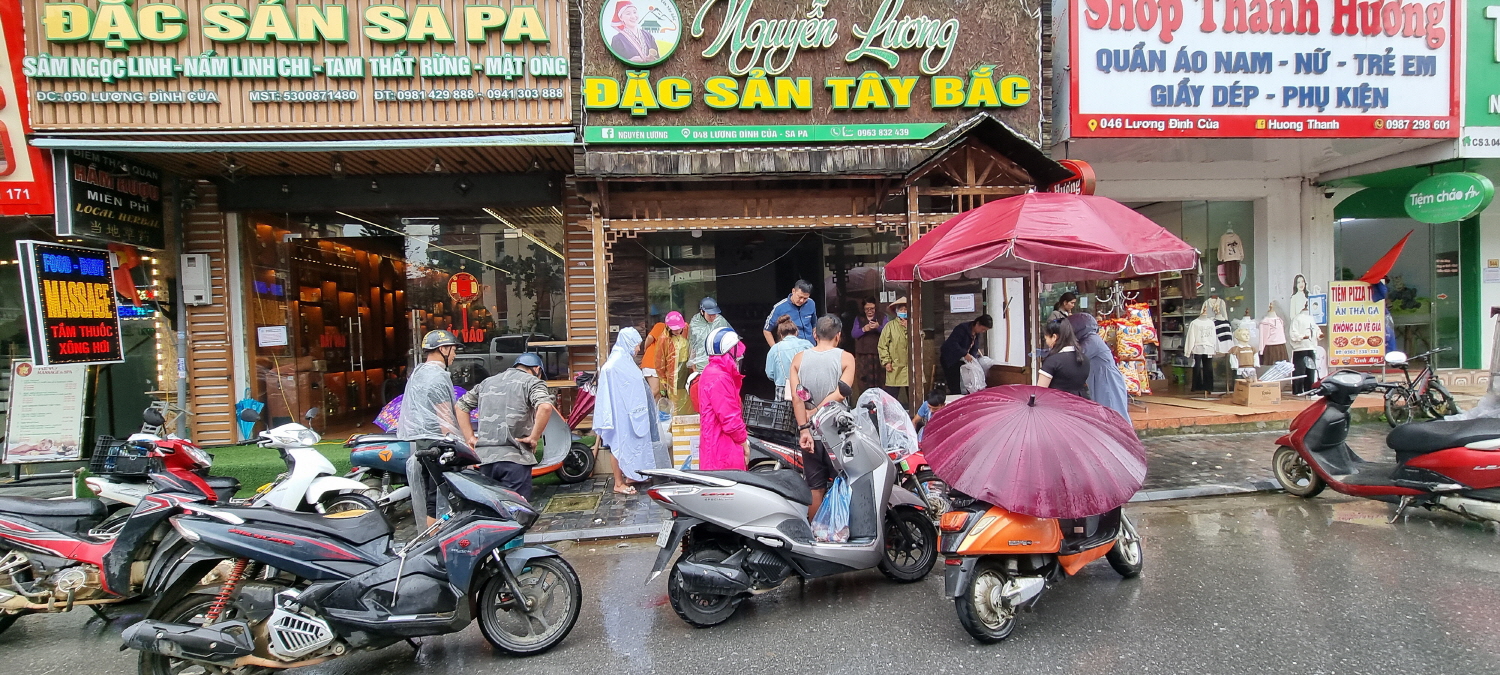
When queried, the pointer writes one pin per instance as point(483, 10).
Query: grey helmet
point(439, 338)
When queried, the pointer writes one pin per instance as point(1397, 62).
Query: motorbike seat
point(359, 530)
point(1409, 440)
point(786, 482)
point(374, 438)
point(53, 508)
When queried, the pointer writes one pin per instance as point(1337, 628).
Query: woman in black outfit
point(1066, 368)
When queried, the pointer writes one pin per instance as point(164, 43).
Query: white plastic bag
point(831, 523)
point(972, 374)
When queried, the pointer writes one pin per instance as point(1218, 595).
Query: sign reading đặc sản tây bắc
point(778, 71)
point(101, 64)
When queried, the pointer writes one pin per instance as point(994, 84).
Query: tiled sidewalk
point(1178, 467)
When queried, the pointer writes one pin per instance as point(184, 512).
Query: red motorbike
point(1448, 465)
point(54, 555)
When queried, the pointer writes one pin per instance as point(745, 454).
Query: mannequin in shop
point(1202, 343)
point(1243, 354)
point(1223, 333)
point(1303, 336)
point(1273, 337)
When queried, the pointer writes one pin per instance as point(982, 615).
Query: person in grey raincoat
point(514, 407)
point(704, 322)
point(1106, 384)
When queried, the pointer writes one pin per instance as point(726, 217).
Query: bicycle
point(1423, 391)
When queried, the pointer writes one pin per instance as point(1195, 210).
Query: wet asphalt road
point(1247, 584)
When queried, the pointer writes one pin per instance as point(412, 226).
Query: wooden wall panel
point(210, 358)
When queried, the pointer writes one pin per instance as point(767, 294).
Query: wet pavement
point(1177, 467)
point(1241, 584)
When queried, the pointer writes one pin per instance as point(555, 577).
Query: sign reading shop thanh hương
point(71, 312)
point(109, 198)
point(803, 71)
point(1282, 68)
point(279, 63)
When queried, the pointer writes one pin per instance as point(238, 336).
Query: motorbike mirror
point(805, 396)
point(153, 417)
point(312, 414)
point(248, 415)
point(1395, 359)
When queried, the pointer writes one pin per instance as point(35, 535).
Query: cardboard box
point(1256, 393)
point(685, 434)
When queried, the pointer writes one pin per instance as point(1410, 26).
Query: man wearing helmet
point(514, 407)
point(427, 406)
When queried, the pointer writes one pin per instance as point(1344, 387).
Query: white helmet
point(722, 341)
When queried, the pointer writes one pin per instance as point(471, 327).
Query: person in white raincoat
point(624, 415)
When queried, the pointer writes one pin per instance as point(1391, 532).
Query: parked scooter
point(1453, 466)
point(120, 475)
point(56, 557)
point(917, 476)
point(999, 562)
point(305, 589)
point(743, 532)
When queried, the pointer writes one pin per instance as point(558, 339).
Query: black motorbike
point(303, 588)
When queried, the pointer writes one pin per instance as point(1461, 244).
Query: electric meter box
point(197, 286)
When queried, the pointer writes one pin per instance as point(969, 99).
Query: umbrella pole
point(1036, 326)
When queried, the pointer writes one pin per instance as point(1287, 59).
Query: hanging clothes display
point(1127, 337)
point(1202, 343)
point(1303, 337)
point(1273, 338)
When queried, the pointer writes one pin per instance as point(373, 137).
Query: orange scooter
point(999, 562)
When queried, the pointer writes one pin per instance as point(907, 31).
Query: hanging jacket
point(721, 444)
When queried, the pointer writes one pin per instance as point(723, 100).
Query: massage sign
point(294, 63)
point(799, 71)
point(71, 312)
point(1283, 68)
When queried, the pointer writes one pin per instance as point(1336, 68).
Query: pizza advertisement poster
point(1356, 326)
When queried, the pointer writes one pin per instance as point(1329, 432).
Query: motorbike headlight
point(308, 437)
point(198, 456)
point(183, 530)
point(520, 513)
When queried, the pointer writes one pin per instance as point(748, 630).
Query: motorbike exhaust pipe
point(714, 579)
point(220, 643)
point(1473, 508)
point(1022, 592)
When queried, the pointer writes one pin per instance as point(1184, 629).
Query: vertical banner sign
point(109, 198)
point(1356, 326)
point(1263, 68)
point(1481, 100)
point(25, 179)
point(45, 421)
point(71, 311)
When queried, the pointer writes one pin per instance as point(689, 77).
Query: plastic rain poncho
point(624, 415)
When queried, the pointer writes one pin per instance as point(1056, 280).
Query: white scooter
point(310, 483)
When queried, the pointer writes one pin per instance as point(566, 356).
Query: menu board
point(45, 422)
point(1356, 326)
point(71, 311)
point(109, 198)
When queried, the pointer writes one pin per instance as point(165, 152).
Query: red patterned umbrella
point(1037, 451)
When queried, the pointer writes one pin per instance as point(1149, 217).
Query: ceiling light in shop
point(436, 166)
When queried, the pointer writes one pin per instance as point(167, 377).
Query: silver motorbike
point(742, 533)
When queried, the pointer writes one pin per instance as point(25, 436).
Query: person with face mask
point(722, 439)
point(895, 352)
point(514, 407)
point(624, 414)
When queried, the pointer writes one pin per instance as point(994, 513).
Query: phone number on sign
point(409, 95)
point(1416, 125)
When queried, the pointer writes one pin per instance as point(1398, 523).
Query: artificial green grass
point(255, 466)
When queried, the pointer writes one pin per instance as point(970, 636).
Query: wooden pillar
point(917, 384)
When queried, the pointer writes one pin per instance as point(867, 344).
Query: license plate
point(665, 535)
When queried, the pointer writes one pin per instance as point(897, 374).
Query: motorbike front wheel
point(578, 466)
point(1294, 474)
point(934, 492)
point(910, 546)
point(552, 598)
point(1398, 407)
point(700, 610)
point(345, 503)
point(981, 609)
point(1125, 556)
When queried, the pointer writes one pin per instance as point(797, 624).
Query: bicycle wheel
point(1398, 407)
point(1438, 402)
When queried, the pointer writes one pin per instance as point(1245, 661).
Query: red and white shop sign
point(1268, 68)
point(25, 172)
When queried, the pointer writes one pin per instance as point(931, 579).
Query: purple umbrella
point(390, 415)
point(1041, 452)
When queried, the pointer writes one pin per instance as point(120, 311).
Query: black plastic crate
point(115, 457)
point(773, 415)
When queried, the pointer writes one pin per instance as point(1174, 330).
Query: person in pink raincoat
point(721, 444)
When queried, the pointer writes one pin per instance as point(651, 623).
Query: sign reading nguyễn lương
point(1277, 68)
point(778, 71)
point(71, 311)
point(279, 63)
point(1446, 197)
point(108, 198)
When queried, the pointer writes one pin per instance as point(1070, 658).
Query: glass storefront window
point(1425, 289)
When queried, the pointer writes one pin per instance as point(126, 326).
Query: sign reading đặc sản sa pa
point(282, 63)
point(779, 71)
